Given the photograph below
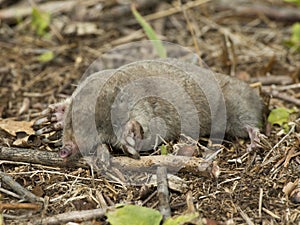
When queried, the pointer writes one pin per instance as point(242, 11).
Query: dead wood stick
point(121, 10)
point(78, 216)
point(12, 14)
point(273, 79)
point(31, 156)
point(282, 96)
point(245, 216)
point(288, 87)
point(18, 188)
point(30, 206)
point(274, 13)
point(163, 192)
point(174, 164)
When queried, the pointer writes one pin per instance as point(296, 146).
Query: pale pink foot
point(254, 134)
point(131, 139)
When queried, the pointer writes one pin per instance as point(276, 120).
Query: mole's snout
point(66, 151)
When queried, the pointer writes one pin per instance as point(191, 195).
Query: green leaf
point(40, 21)
point(134, 215)
point(279, 116)
point(46, 56)
point(160, 49)
point(182, 219)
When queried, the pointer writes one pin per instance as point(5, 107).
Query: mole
point(140, 104)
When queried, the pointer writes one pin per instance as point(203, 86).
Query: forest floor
point(250, 40)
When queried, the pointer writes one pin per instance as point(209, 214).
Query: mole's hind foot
point(52, 118)
point(131, 139)
point(254, 135)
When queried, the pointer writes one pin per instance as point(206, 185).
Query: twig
point(31, 156)
point(51, 172)
point(278, 143)
point(287, 87)
point(175, 164)
point(15, 13)
point(285, 97)
point(83, 215)
point(229, 46)
point(136, 35)
point(7, 192)
point(273, 79)
point(190, 202)
point(229, 180)
point(271, 213)
point(253, 10)
point(267, 68)
point(192, 31)
point(18, 188)
point(171, 11)
point(245, 216)
point(289, 157)
point(149, 198)
point(100, 199)
point(211, 194)
point(31, 206)
point(121, 10)
point(163, 192)
point(261, 193)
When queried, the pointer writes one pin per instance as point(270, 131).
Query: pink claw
point(52, 127)
point(54, 115)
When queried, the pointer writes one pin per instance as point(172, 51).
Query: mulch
point(245, 39)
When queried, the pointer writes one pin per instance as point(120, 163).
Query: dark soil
point(250, 46)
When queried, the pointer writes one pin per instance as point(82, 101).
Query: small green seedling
point(46, 57)
point(163, 150)
point(40, 21)
point(295, 38)
point(160, 49)
point(294, 41)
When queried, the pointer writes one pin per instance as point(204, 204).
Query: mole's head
point(70, 147)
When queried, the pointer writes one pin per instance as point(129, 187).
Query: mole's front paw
point(131, 139)
point(52, 119)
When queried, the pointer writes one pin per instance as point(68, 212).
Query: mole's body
point(131, 106)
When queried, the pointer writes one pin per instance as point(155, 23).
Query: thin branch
point(197, 166)
point(18, 188)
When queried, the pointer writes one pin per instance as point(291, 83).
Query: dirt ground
point(246, 39)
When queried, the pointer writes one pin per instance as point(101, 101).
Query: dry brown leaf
point(21, 142)
point(13, 127)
